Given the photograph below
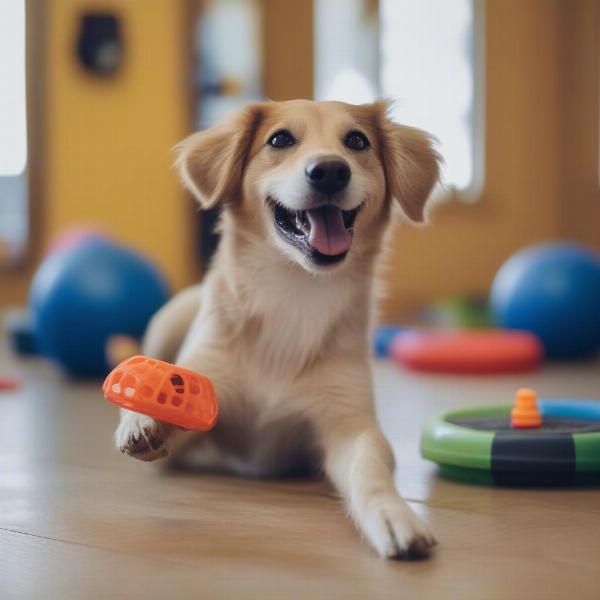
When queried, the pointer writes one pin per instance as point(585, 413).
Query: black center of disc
point(550, 425)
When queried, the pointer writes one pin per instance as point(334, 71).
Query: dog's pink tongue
point(328, 233)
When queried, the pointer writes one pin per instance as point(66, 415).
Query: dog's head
point(314, 179)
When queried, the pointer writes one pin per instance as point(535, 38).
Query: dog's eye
point(282, 139)
point(356, 140)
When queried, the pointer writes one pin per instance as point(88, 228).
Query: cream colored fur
point(287, 343)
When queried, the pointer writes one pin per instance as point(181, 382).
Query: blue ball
point(80, 296)
point(552, 290)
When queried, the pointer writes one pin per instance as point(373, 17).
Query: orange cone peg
point(525, 414)
point(163, 391)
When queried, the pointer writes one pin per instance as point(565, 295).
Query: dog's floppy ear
point(410, 163)
point(211, 162)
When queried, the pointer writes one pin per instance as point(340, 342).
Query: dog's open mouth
point(323, 234)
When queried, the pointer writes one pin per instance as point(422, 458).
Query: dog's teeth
point(299, 222)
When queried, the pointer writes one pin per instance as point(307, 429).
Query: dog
point(281, 320)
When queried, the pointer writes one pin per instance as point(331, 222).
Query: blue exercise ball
point(552, 290)
point(82, 295)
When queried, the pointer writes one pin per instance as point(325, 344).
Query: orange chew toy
point(163, 391)
point(525, 414)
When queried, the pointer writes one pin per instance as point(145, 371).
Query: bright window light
point(427, 66)
point(13, 127)
point(13, 131)
point(346, 50)
point(421, 54)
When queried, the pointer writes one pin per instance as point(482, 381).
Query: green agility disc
point(479, 445)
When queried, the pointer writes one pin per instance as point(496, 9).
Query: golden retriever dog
point(282, 320)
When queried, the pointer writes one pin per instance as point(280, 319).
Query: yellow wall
point(107, 143)
point(288, 49)
point(580, 123)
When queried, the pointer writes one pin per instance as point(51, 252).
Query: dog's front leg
point(145, 438)
point(360, 463)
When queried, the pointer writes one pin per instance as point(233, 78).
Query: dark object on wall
point(100, 46)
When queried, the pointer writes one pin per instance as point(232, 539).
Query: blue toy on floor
point(84, 294)
point(383, 336)
point(552, 290)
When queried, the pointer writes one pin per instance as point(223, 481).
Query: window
point(228, 72)
point(346, 51)
point(228, 58)
point(427, 64)
point(13, 130)
point(421, 53)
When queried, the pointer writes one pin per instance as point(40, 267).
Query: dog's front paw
point(394, 530)
point(142, 437)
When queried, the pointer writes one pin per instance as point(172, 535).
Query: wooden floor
point(78, 520)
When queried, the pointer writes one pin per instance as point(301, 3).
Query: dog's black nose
point(328, 175)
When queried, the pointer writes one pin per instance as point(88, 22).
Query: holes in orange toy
point(162, 398)
point(177, 383)
point(176, 400)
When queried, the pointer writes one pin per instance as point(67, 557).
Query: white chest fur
point(295, 313)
